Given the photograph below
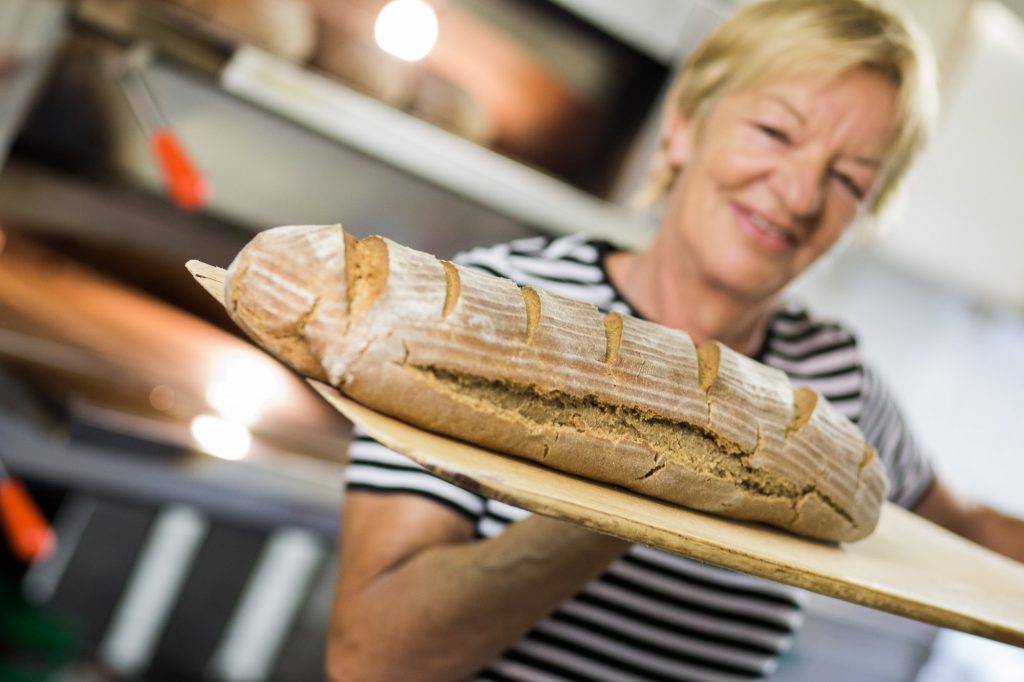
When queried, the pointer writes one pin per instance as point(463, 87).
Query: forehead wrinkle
point(844, 122)
point(867, 158)
point(779, 99)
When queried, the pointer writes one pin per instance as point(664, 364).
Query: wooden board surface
point(908, 566)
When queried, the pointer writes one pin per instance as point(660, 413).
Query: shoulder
point(817, 352)
point(824, 355)
point(570, 265)
point(577, 248)
point(793, 319)
point(796, 335)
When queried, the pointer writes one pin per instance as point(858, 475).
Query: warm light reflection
point(242, 387)
point(406, 29)
point(220, 437)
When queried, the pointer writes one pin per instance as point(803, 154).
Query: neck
point(673, 294)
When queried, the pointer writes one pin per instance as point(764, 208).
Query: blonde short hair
point(780, 38)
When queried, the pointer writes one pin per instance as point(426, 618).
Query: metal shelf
point(421, 149)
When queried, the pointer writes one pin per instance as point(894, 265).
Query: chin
point(748, 277)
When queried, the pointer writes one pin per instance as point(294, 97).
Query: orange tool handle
point(185, 183)
point(30, 535)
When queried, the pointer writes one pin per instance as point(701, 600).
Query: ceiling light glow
point(406, 29)
point(220, 437)
point(243, 386)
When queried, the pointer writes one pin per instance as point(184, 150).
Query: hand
point(977, 522)
point(1002, 533)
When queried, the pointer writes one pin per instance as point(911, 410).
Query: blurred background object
point(30, 35)
point(285, 27)
point(193, 482)
point(185, 184)
point(27, 530)
point(528, 79)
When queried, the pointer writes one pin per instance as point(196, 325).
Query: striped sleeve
point(910, 473)
point(375, 468)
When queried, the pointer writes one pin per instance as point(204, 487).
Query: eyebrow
point(786, 104)
point(866, 161)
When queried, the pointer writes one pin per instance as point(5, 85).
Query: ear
point(677, 139)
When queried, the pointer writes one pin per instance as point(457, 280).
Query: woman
point(792, 119)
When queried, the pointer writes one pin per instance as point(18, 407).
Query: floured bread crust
point(523, 371)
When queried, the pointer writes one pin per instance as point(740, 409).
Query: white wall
point(964, 220)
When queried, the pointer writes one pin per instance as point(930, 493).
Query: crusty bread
point(544, 377)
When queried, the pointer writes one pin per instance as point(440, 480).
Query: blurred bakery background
point(192, 484)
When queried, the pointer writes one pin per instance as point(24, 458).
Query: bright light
point(221, 438)
point(406, 29)
point(243, 386)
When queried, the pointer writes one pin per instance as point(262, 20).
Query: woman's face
point(772, 176)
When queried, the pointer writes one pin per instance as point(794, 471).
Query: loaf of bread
point(525, 372)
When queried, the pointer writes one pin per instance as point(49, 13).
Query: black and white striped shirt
point(653, 615)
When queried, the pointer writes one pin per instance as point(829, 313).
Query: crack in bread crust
point(453, 288)
point(689, 445)
point(531, 300)
point(366, 269)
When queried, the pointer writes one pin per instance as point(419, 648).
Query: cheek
point(836, 220)
point(723, 172)
point(738, 162)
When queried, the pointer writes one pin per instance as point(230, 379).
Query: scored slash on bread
point(526, 372)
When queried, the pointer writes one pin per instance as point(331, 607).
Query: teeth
point(766, 226)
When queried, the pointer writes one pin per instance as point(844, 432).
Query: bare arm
point(418, 599)
point(977, 522)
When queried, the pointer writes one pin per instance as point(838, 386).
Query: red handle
point(184, 181)
point(30, 535)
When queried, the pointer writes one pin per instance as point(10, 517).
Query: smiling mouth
point(765, 232)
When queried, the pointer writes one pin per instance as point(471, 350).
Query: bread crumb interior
point(688, 445)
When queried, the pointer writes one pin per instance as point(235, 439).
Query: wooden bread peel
point(908, 566)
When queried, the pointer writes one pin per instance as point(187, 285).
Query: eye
point(848, 182)
point(773, 132)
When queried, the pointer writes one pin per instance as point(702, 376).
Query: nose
point(800, 184)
